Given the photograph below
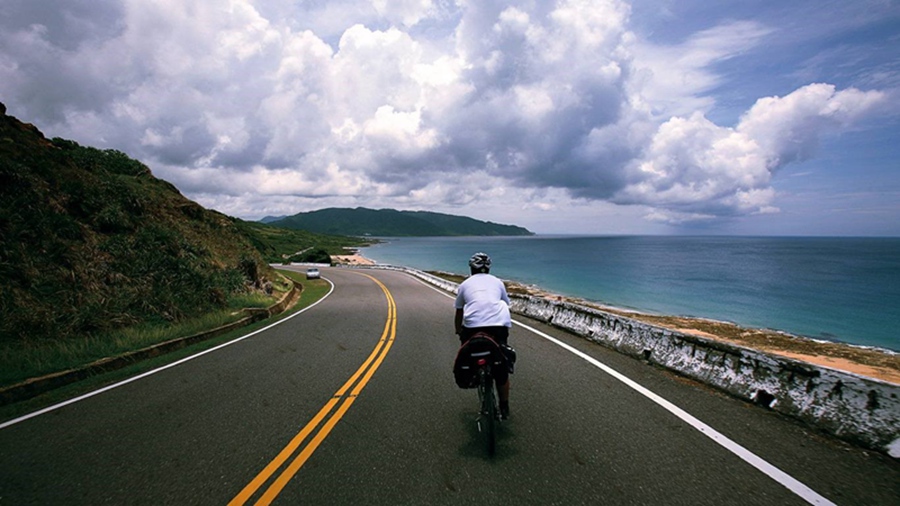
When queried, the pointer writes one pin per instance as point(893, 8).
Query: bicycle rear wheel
point(489, 411)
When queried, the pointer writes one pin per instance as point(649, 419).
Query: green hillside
point(392, 223)
point(91, 241)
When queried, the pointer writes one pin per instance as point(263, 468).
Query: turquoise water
point(840, 289)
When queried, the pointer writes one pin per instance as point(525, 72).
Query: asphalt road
point(367, 374)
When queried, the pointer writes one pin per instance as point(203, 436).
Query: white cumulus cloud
point(696, 167)
point(419, 103)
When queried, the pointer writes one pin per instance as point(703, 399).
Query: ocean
point(837, 289)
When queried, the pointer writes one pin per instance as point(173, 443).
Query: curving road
point(352, 402)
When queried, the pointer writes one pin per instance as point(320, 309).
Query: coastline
point(876, 363)
point(354, 259)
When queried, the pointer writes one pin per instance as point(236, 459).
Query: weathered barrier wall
point(852, 407)
point(861, 410)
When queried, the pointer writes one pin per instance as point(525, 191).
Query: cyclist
point(482, 305)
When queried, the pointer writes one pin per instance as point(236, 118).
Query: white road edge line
point(160, 369)
point(786, 480)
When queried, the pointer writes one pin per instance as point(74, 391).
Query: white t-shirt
point(484, 302)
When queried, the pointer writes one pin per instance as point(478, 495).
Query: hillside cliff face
point(90, 240)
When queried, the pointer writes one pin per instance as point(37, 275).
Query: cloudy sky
point(564, 116)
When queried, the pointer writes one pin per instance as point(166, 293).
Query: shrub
point(315, 255)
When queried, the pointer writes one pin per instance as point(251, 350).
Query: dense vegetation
point(91, 241)
point(392, 223)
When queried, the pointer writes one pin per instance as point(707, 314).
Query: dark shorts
point(500, 334)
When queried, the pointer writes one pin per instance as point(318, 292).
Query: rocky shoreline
point(870, 362)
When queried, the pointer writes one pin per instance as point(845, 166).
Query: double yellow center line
point(296, 446)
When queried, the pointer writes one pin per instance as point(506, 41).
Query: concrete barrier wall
point(861, 410)
point(855, 408)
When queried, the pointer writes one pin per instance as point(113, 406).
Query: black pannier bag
point(480, 346)
point(510, 353)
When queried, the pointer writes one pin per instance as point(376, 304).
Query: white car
point(312, 273)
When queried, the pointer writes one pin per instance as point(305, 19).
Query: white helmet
point(480, 261)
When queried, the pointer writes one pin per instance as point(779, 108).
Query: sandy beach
point(354, 259)
point(869, 362)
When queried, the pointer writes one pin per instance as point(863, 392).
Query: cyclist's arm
point(504, 295)
point(458, 320)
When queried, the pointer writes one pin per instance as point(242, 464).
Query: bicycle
point(478, 362)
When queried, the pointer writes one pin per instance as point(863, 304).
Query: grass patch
point(449, 276)
point(313, 291)
point(29, 359)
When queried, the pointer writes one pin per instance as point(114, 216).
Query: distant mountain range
point(392, 223)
